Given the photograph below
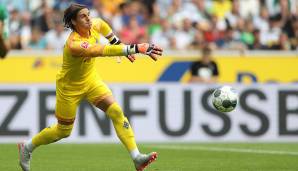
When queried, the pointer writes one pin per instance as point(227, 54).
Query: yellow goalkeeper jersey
point(76, 69)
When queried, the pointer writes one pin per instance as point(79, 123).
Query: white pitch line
point(221, 149)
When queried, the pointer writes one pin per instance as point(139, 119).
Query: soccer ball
point(224, 99)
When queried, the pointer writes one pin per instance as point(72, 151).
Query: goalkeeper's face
point(83, 20)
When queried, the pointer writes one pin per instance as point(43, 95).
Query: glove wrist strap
point(132, 49)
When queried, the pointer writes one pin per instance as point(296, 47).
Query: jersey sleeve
point(76, 47)
point(79, 48)
point(102, 27)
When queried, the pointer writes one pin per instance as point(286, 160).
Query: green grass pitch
point(172, 157)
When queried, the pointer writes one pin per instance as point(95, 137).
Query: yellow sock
point(51, 134)
point(122, 126)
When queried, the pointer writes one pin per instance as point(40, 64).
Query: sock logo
point(126, 125)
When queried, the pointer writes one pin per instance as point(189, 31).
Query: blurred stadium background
point(254, 44)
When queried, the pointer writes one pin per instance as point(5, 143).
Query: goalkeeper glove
point(144, 48)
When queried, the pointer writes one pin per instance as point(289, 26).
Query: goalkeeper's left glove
point(145, 48)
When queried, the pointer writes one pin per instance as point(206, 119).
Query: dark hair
point(71, 13)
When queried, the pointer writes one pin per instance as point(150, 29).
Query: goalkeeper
point(78, 79)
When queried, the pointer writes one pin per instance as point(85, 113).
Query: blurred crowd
point(172, 24)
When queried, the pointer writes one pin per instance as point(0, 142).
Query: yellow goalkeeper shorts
point(69, 96)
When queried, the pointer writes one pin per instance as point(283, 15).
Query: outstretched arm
point(84, 49)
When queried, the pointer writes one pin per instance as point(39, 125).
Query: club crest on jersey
point(85, 45)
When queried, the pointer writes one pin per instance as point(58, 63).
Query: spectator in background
point(234, 15)
point(195, 10)
point(261, 21)
point(198, 41)
point(173, 43)
point(291, 29)
point(88, 3)
point(294, 36)
point(163, 35)
point(205, 69)
point(240, 27)
point(110, 6)
point(117, 20)
point(99, 10)
point(133, 32)
point(248, 8)
point(15, 41)
point(135, 10)
point(271, 36)
point(231, 42)
point(37, 40)
point(174, 10)
point(201, 10)
point(14, 22)
point(257, 45)
point(154, 26)
point(44, 18)
point(221, 8)
point(283, 43)
point(213, 34)
point(185, 34)
point(20, 5)
point(247, 36)
point(281, 7)
point(14, 28)
point(25, 32)
point(61, 5)
point(164, 5)
point(127, 12)
point(56, 38)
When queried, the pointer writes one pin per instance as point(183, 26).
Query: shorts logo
point(85, 45)
point(125, 125)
